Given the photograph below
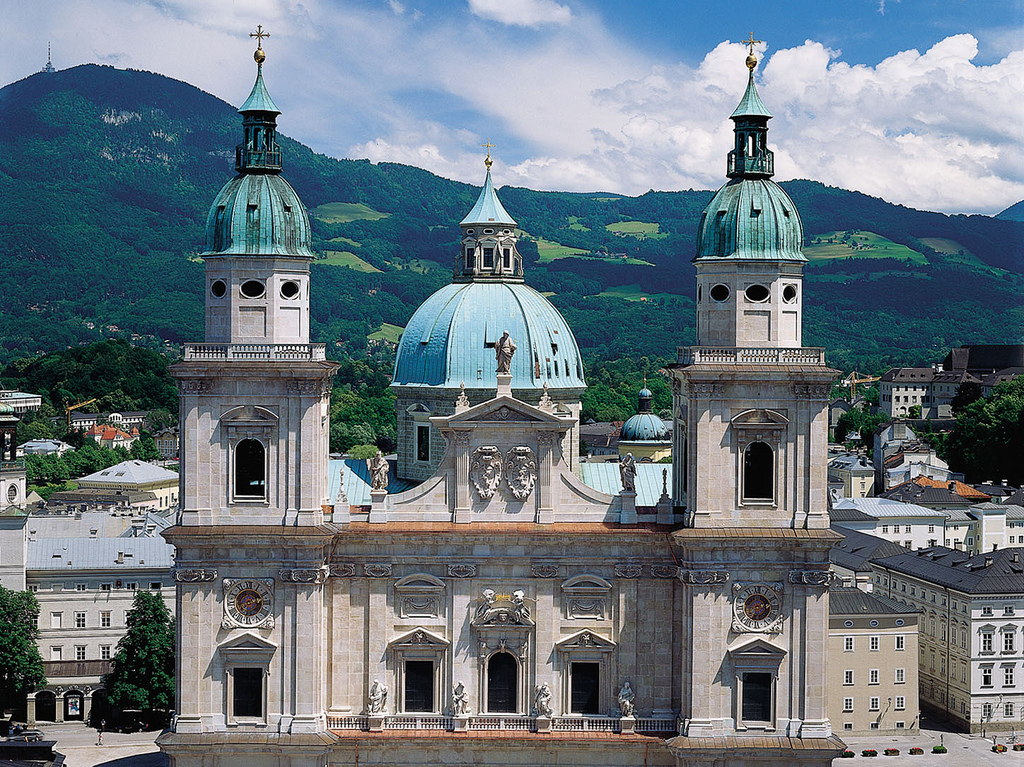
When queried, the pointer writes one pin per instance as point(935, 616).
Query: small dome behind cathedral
point(644, 425)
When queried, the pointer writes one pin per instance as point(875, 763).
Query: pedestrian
point(99, 737)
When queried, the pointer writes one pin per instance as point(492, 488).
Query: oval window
point(12, 493)
point(253, 288)
point(488, 231)
point(848, 624)
point(789, 294)
point(874, 623)
point(470, 231)
point(219, 288)
point(719, 293)
point(757, 293)
point(899, 621)
point(290, 289)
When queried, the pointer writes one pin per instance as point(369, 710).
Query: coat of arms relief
point(518, 468)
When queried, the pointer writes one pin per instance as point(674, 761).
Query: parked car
point(28, 735)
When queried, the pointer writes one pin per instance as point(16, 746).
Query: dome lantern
point(488, 246)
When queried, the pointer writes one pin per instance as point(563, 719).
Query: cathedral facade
point(479, 603)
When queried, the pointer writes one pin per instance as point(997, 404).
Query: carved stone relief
point(502, 609)
point(586, 607)
point(627, 570)
point(521, 471)
point(194, 575)
point(342, 570)
point(544, 571)
point(461, 570)
point(304, 575)
point(821, 578)
point(377, 570)
point(704, 577)
point(664, 571)
point(485, 470)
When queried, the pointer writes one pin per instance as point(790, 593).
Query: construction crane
point(855, 378)
point(68, 409)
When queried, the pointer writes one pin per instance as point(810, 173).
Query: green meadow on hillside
point(343, 212)
point(345, 258)
point(858, 244)
point(639, 229)
point(386, 332)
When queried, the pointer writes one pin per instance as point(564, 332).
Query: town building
point(166, 441)
point(21, 402)
point(106, 435)
point(124, 420)
point(129, 484)
point(872, 663)
point(484, 604)
point(971, 631)
point(856, 473)
point(944, 495)
point(44, 447)
point(910, 525)
point(851, 557)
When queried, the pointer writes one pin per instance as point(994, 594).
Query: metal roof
point(259, 99)
point(851, 601)
point(650, 479)
point(258, 214)
point(68, 554)
point(450, 339)
point(994, 572)
point(856, 548)
point(488, 208)
point(348, 481)
point(130, 473)
point(644, 427)
point(883, 508)
point(750, 105)
point(751, 219)
point(842, 514)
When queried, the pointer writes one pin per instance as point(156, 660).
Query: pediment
point(586, 584)
point(418, 637)
point(248, 648)
point(758, 416)
point(503, 410)
point(249, 415)
point(420, 582)
point(585, 640)
point(757, 649)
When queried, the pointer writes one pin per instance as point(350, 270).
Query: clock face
point(248, 603)
point(758, 608)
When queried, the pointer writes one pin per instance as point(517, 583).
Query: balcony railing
point(739, 163)
point(249, 159)
point(12, 465)
point(731, 355)
point(497, 722)
point(276, 352)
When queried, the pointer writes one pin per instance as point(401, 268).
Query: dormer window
point(488, 258)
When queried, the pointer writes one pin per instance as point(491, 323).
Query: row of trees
point(142, 669)
point(89, 458)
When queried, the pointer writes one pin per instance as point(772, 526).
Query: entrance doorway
point(502, 684)
point(586, 688)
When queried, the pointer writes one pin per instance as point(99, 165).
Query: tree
point(987, 442)
point(144, 449)
point(966, 393)
point(142, 673)
point(360, 452)
point(21, 668)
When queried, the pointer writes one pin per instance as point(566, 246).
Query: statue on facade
point(378, 466)
point(503, 351)
point(520, 611)
point(627, 473)
point(627, 700)
point(378, 697)
point(460, 700)
point(542, 700)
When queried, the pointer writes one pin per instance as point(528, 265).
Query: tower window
point(289, 289)
point(248, 692)
point(507, 255)
point(502, 684)
point(789, 294)
point(719, 293)
point(422, 443)
point(757, 697)
point(253, 289)
point(218, 289)
point(758, 472)
point(250, 469)
point(488, 258)
point(757, 293)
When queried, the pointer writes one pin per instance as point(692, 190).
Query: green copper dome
point(751, 217)
point(258, 214)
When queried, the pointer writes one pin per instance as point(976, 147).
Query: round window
point(789, 294)
point(848, 624)
point(899, 621)
point(253, 288)
point(719, 293)
point(219, 288)
point(757, 293)
point(470, 231)
point(290, 289)
point(488, 231)
point(12, 493)
point(874, 623)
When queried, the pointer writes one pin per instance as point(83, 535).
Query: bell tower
point(251, 540)
point(751, 447)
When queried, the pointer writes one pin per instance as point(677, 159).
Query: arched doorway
point(46, 706)
point(74, 706)
point(100, 710)
point(502, 684)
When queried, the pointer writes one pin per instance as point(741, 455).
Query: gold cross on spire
point(751, 58)
point(488, 146)
point(259, 34)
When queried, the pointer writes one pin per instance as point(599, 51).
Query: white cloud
point(522, 13)
point(396, 7)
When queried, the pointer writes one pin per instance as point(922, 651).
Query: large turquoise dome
point(258, 214)
point(751, 218)
point(450, 339)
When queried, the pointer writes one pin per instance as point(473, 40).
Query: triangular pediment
point(586, 640)
point(503, 410)
point(248, 415)
point(248, 648)
point(419, 637)
point(757, 648)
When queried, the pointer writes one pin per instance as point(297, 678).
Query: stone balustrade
point(277, 352)
point(500, 722)
point(712, 355)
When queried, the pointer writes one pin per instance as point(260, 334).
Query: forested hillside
point(107, 176)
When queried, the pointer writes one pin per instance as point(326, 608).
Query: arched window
point(758, 472)
point(250, 469)
point(502, 684)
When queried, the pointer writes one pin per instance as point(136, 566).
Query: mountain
point(107, 176)
point(1014, 213)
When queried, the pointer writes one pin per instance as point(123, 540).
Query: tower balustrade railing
point(732, 355)
point(17, 465)
point(246, 158)
point(274, 352)
point(743, 163)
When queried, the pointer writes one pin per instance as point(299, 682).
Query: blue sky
point(916, 101)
